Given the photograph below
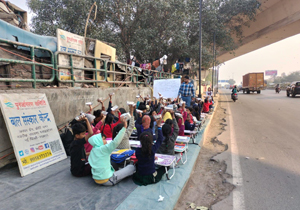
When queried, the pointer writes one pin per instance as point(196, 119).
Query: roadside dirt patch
point(207, 184)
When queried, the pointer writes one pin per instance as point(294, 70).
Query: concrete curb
point(207, 127)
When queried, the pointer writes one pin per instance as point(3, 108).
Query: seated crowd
point(158, 123)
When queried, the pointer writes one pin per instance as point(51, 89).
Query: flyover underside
point(276, 23)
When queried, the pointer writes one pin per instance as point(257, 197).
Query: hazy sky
point(283, 56)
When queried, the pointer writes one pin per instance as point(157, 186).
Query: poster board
point(70, 43)
point(167, 87)
point(108, 51)
point(32, 131)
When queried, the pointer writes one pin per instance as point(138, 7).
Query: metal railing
point(104, 71)
point(31, 62)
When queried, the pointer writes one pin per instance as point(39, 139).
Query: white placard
point(70, 43)
point(167, 87)
point(32, 130)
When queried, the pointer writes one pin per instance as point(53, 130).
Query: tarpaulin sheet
point(55, 188)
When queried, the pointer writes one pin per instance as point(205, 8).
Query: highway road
point(263, 135)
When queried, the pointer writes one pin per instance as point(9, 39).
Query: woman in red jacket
point(107, 128)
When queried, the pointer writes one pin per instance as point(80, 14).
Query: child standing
point(79, 165)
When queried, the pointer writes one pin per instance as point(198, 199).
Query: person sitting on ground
point(98, 116)
point(109, 111)
point(139, 115)
point(79, 165)
point(108, 126)
point(152, 115)
point(144, 127)
point(102, 170)
point(125, 141)
point(170, 132)
point(189, 112)
point(166, 115)
point(98, 113)
point(96, 130)
point(212, 103)
point(143, 108)
point(189, 124)
point(182, 106)
point(196, 113)
point(206, 106)
point(146, 173)
point(198, 103)
point(160, 107)
point(181, 123)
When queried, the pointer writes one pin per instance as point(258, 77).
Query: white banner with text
point(32, 130)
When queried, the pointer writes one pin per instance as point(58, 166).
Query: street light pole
point(200, 45)
point(214, 63)
point(218, 79)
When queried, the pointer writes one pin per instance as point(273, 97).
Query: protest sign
point(167, 87)
point(70, 43)
point(32, 131)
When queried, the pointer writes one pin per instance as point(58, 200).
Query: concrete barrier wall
point(66, 104)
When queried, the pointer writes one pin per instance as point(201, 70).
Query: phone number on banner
point(36, 157)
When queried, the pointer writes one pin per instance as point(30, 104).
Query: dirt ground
point(207, 184)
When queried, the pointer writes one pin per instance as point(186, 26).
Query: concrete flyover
point(275, 21)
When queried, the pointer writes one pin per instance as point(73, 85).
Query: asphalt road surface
point(263, 135)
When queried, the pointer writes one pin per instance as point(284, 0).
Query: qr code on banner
point(55, 146)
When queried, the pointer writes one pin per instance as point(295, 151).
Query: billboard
point(70, 43)
point(32, 131)
point(223, 81)
point(271, 73)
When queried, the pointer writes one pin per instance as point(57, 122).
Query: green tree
point(293, 76)
point(148, 29)
point(208, 79)
point(231, 81)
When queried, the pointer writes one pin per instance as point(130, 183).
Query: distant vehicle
point(240, 87)
point(231, 87)
point(277, 90)
point(253, 82)
point(293, 89)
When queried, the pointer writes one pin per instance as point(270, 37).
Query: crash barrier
point(92, 71)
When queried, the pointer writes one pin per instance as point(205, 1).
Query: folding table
point(166, 161)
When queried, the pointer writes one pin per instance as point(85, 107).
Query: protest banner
point(70, 43)
point(32, 131)
point(167, 87)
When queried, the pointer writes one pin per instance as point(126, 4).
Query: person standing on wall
point(187, 91)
